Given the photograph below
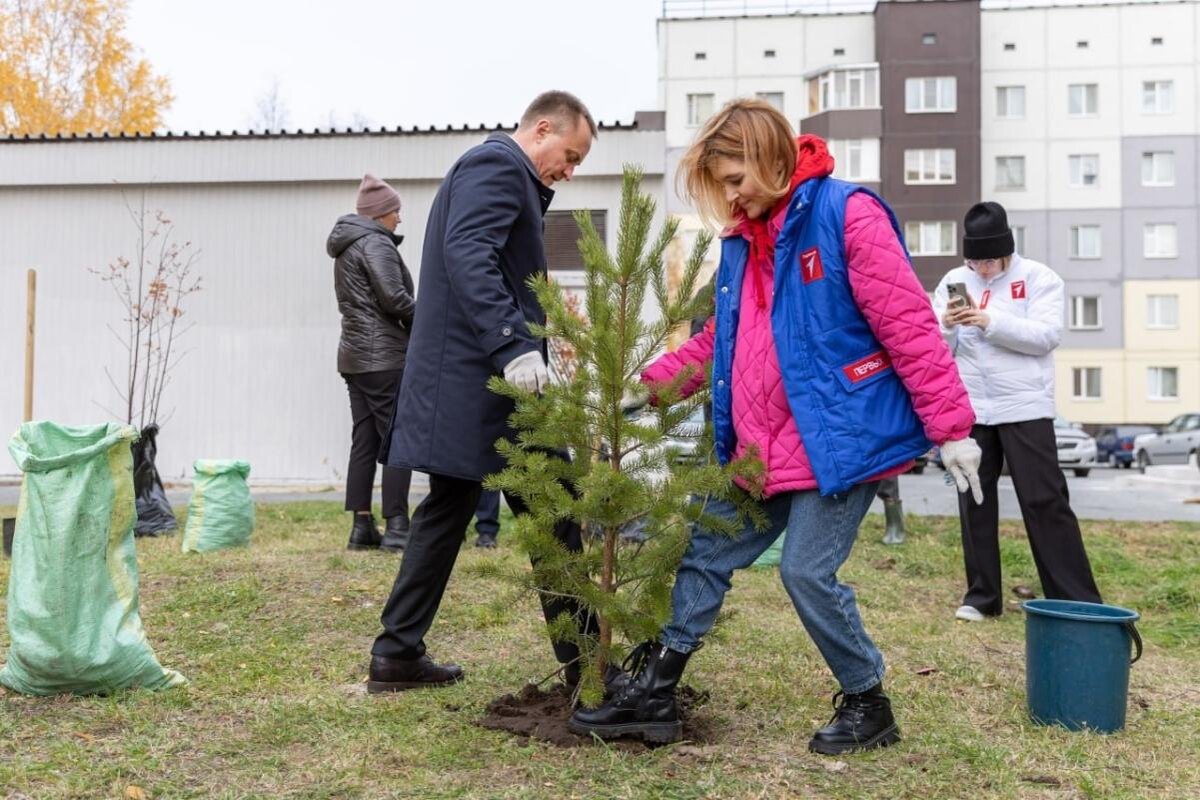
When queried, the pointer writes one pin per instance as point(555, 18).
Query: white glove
point(961, 459)
point(528, 372)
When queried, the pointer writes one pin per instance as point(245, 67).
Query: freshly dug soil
point(543, 715)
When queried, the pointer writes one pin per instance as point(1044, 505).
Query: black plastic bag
point(154, 515)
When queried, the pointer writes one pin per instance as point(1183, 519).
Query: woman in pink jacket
point(827, 364)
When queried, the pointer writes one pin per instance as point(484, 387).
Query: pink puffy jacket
point(895, 306)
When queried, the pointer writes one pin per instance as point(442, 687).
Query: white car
point(1176, 444)
point(1076, 449)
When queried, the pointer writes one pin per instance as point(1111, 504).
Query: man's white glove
point(961, 459)
point(528, 372)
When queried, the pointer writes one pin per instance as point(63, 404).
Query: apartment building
point(1079, 116)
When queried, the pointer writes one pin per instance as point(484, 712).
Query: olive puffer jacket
point(374, 294)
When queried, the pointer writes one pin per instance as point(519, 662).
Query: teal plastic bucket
point(1077, 663)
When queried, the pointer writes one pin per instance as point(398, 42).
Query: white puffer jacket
point(1008, 368)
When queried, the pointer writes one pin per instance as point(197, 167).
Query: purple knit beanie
point(376, 198)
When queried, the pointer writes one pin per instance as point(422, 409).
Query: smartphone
point(958, 297)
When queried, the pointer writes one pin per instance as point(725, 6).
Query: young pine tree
point(581, 453)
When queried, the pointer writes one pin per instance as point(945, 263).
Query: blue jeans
point(820, 533)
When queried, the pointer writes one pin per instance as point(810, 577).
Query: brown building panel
point(845, 124)
point(929, 38)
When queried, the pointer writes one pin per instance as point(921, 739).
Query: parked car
point(1178, 442)
point(1076, 449)
point(1114, 446)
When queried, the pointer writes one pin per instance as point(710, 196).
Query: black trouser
point(372, 398)
point(487, 513)
point(1053, 530)
point(439, 526)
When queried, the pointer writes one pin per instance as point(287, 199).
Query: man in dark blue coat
point(483, 242)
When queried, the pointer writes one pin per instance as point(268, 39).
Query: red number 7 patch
point(810, 265)
point(1018, 290)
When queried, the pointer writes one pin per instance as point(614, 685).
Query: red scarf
point(812, 161)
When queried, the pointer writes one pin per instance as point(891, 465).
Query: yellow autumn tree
point(66, 67)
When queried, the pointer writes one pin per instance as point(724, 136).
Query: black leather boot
point(364, 535)
point(615, 679)
point(395, 536)
point(396, 675)
point(646, 706)
point(860, 721)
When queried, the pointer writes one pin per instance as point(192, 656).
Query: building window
point(1085, 241)
point(1083, 171)
point(701, 56)
point(1085, 313)
point(1158, 97)
point(774, 98)
point(844, 88)
point(1010, 46)
point(1081, 44)
point(768, 53)
point(839, 51)
point(1010, 172)
point(855, 159)
point(1086, 383)
point(1083, 99)
point(929, 38)
point(1158, 169)
point(930, 95)
point(929, 166)
point(1162, 383)
point(1162, 311)
point(1159, 240)
point(699, 108)
point(930, 238)
point(562, 238)
point(1156, 40)
point(1010, 102)
point(1018, 237)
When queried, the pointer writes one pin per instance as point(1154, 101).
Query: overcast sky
point(403, 62)
point(409, 62)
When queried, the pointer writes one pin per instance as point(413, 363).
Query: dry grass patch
point(275, 640)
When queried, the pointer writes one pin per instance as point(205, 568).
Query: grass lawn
point(275, 642)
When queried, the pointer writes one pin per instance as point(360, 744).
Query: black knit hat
point(986, 233)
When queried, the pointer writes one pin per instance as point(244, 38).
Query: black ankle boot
point(860, 721)
point(363, 535)
point(615, 679)
point(645, 707)
point(395, 537)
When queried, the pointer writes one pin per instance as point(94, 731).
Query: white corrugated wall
point(259, 380)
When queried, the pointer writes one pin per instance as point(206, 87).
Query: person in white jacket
point(1003, 334)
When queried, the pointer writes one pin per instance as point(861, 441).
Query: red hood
point(812, 161)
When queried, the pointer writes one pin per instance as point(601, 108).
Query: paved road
point(1104, 494)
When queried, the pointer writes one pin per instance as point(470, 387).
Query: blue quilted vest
point(854, 415)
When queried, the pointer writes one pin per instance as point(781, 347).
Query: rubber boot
point(646, 707)
point(893, 513)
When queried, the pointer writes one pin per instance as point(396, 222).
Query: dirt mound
point(543, 715)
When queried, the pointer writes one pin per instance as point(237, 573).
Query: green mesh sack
point(772, 555)
point(73, 618)
point(220, 513)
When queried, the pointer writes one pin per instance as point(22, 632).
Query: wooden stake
point(30, 315)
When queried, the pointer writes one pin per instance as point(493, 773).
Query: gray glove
point(528, 371)
point(961, 459)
